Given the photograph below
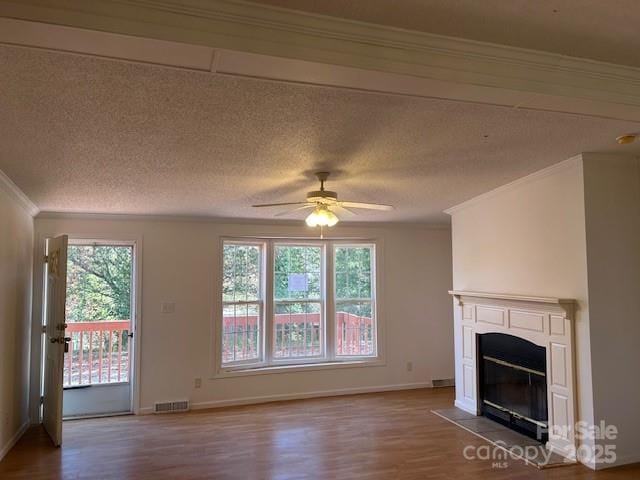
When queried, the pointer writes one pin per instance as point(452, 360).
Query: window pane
point(240, 332)
point(241, 273)
point(297, 330)
point(353, 272)
point(297, 272)
point(355, 329)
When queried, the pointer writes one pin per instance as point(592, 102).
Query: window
point(355, 333)
point(242, 301)
point(297, 302)
point(298, 325)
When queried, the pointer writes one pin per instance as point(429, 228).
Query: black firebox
point(513, 384)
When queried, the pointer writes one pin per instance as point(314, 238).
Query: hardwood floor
point(375, 436)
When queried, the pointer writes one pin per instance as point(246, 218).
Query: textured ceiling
point(82, 134)
point(597, 29)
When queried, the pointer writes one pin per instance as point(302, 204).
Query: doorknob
point(59, 339)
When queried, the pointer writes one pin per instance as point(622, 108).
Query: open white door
point(55, 300)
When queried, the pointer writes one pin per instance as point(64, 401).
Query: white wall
point(16, 253)
point(612, 206)
point(528, 237)
point(180, 261)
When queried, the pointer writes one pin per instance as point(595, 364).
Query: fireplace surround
point(495, 326)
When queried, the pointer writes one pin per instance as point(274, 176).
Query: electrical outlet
point(409, 366)
point(198, 383)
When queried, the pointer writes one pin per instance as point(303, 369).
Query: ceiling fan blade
point(294, 210)
point(340, 210)
point(279, 204)
point(369, 206)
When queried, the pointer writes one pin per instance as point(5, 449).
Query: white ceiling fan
point(325, 205)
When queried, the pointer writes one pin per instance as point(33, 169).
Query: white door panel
point(55, 300)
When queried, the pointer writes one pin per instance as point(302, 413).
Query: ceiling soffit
point(249, 39)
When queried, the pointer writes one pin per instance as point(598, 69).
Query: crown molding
point(240, 26)
point(14, 192)
point(125, 217)
point(573, 162)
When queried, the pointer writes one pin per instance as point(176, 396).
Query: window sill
point(271, 369)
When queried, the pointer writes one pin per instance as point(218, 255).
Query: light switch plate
point(168, 307)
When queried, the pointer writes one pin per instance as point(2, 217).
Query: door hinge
point(46, 259)
point(44, 329)
point(41, 399)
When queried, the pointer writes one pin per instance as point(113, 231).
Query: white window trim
point(269, 365)
point(261, 302)
point(293, 361)
point(229, 372)
point(373, 299)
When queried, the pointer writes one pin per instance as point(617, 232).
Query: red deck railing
point(296, 335)
point(98, 352)
point(354, 334)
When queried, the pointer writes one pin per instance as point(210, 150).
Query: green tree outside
point(98, 283)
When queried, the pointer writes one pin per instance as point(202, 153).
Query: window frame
point(373, 300)
point(261, 302)
point(322, 301)
point(267, 363)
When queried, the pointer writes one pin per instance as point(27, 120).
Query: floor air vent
point(169, 407)
point(445, 382)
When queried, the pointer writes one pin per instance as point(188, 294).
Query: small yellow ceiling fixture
point(321, 217)
point(325, 205)
point(627, 138)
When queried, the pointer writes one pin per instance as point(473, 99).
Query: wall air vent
point(170, 407)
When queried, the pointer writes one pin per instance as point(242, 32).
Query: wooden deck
point(375, 436)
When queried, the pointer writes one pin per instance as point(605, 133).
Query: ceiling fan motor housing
point(322, 196)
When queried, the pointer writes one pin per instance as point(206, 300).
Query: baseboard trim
point(299, 396)
point(620, 461)
point(13, 440)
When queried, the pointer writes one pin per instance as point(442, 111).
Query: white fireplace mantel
point(519, 298)
point(544, 321)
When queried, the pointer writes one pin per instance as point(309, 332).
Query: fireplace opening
point(513, 383)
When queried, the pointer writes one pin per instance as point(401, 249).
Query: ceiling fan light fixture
point(323, 203)
point(627, 138)
point(321, 217)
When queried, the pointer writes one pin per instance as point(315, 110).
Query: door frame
point(36, 373)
